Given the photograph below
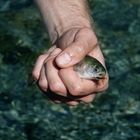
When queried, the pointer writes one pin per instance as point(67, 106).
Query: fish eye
point(96, 69)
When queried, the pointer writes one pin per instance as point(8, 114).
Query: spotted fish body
point(90, 68)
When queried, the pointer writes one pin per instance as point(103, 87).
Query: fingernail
point(64, 59)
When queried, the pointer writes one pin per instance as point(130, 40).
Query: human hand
point(52, 71)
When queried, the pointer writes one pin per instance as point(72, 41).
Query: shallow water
point(26, 114)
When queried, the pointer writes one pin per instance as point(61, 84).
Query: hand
point(54, 69)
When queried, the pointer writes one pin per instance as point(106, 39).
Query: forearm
point(62, 15)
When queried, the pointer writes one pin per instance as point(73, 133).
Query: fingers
point(38, 65)
point(61, 99)
point(103, 84)
point(83, 43)
point(88, 98)
point(77, 86)
point(72, 101)
point(42, 82)
point(55, 83)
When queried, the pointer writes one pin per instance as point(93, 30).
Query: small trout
point(90, 68)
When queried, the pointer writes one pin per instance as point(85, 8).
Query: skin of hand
point(54, 69)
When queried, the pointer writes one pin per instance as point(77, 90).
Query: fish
point(90, 68)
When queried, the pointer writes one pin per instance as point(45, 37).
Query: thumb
point(76, 51)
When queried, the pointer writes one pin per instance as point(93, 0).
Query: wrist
point(60, 16)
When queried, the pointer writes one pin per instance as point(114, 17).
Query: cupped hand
point(54, 70)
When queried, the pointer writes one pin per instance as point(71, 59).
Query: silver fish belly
point(90, 68)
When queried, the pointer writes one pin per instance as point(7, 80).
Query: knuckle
point(42, 85)
point(92, 39)
point(80, 49)
point(62, 72)
point(76, 90)
point(56, 87)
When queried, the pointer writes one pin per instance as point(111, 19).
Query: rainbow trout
point(90, 68)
